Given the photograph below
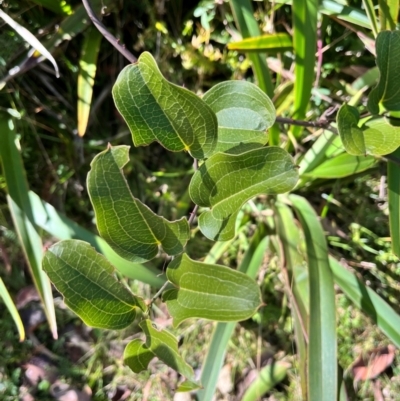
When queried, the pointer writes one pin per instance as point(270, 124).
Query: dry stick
point(103, 30)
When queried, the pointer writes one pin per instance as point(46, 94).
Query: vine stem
point(103, 30)
point(194, 211)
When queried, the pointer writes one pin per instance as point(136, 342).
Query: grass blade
point(223, 331)
point(267, 379)
point(278, 42)
point(305, 13)
point(87, 72)
point(394, 203)
point(22, 214)
point(31, 39)
point(322, 359)
point(368, 301)
point(12, 309)
point(248, 27)
point(388, 13)
point(61, 227)
point(369, 8)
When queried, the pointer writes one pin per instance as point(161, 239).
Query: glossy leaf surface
point(129, 226)
point(225, 182)
point(376, 136)
point(277, 42)
point(388, 61)
point(165, 346)
point(209, 291)
point(86, 280)
point(244, 113)
point(157, 110)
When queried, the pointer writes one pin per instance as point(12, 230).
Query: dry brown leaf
point(373, 364)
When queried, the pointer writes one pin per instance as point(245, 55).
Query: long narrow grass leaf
point(305, 13)
point(267, 379)
point(368, 301)
point(388, 13)
point(30, 38)
point(223, 331)
point(322, 355)
point(394, 202)
point(248, 26)
point(4, 294)
point(22, 215)
point(278, 42)
point(369, 8)
point(87, 72)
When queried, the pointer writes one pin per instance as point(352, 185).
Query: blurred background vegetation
point(189, 41)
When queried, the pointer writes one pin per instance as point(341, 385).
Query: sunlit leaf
point(87, 282)
point(388, 12)
point(165, 346)
point(87, 72)
point(277, 42)
point(129, 226)
point(387, 59)
point(157, 110)
point(342, 166)
point(393, 189)
point(31, 39)
point(225, 182)
point(137, 356)
point(209, 291)
point(10, 305)
point(376, 136)
point(244, 114)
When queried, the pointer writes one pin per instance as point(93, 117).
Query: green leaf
point(368, 301)
point(242, 11)
point(370, 10)
point(129, 226)
point(212, 292)
point(277, 42)
point(86, 280)
point(393, 172)
point(350, 133)
point(22, 212)
point(251, 262)
point(137, 356)
point(57, 6)
point(225, 182)
point(244, 114)
point(5, 295)
point(87, 72)
point(342, 166)
point(377, 136)
point(305, 15)
point(157, 110)
point(387, 59)
point(322, 357)
point(388, 13)
point(165, 346)
point(268, 377)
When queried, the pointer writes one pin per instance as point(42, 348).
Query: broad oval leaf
point(157, 110)
point(208, 291)
point(137, 356)
point(376, 136)
point(244, 113)
point(129, 226)
point(225, 182)
point(277, 42)
point(87, 282)
point(165, 346)
point(387, 59)
point(350, 133)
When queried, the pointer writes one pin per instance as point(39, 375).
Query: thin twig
point(322, 123)
point(103, 30)
point(194, 211)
